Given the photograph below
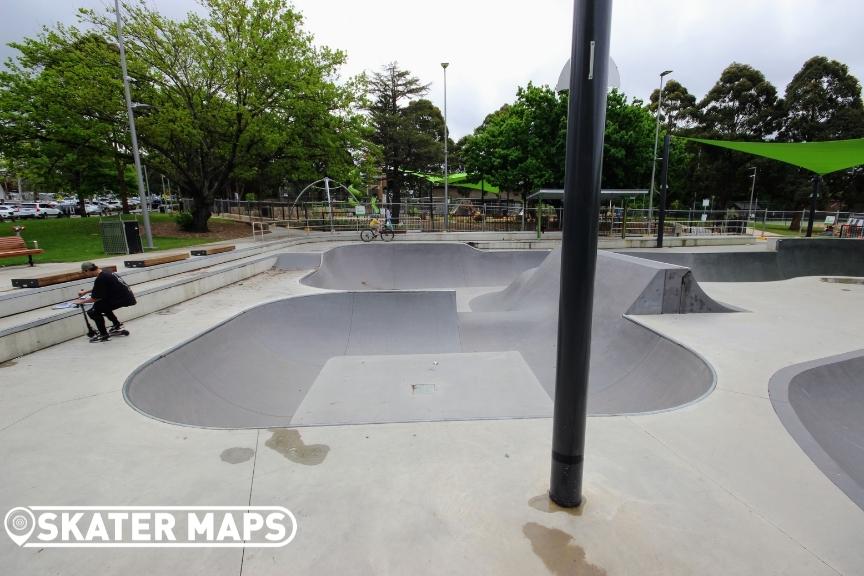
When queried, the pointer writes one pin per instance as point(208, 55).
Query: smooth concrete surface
point(632, 369)
point(792, 257)
point(821, 403)
point(423, 387)
point(420, 266)
point(285, 345)
point(716, 488)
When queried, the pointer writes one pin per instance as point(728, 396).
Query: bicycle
point(370, 234)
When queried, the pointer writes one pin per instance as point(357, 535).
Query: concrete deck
point(718, 487)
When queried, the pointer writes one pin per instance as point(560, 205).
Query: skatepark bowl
point(821, 403)
point(421, 332)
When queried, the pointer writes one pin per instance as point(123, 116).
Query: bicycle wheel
point(387, 234)
point(367, 235)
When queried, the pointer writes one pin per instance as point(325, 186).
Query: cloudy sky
point(495, 46)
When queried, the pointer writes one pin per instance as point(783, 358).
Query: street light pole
point(145, 209)
point(446, 177)
point(586, 119)
point(654, 157)
point(752, 189)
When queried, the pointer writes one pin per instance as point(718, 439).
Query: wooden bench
point(12, 246)
point(212, 250)
point(146, 262)
point(48, 280)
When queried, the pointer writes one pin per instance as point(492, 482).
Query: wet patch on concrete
point(237, 455)
point(290, 444)
point(545, 504)
point(558, 552)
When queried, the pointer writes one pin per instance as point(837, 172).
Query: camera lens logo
point(19, 523)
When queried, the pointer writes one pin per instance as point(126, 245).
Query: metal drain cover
point(422, 389)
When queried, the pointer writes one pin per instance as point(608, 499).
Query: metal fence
point(416, 216)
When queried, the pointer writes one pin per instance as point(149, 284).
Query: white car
point(8, 212)
point(37, 210)
point(93, 209)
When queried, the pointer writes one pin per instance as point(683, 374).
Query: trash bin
point(133, 237)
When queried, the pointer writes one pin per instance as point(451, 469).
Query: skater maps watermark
point(150, 526)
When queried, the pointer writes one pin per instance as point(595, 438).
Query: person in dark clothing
point(109, 293)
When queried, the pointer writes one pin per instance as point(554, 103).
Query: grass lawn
point(78, 239)
point(783, 229)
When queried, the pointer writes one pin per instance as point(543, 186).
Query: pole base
point(566, 485)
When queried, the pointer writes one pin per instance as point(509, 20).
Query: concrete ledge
point(28, 338)
point(155, 260)
point(23, 300)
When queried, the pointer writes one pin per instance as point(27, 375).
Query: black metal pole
point(664, 182)
point(817, 181)
point(586, 118)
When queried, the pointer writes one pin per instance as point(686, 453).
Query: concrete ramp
point(256, 368)
point(632, 369)
point(821, 404)
point(418, 266)
point(396, 356)
point(793, 257)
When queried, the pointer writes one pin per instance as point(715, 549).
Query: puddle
point(237, 455)
point(291, 446)
point(558, 552)
point(545, 504)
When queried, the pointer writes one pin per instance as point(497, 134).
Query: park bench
point(12, 246)
point(50, 279)
point(155, 260)
point(210, 250)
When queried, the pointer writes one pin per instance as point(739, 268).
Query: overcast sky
point(493, 46)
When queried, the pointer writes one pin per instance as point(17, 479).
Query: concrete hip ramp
point(364, 356)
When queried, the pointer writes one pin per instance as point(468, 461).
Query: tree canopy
point(408, 129)
point(238, 97)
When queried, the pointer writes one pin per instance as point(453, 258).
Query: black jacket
point(109, 287)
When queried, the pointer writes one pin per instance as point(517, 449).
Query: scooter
point(91, 332)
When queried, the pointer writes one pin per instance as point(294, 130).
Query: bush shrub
point(184, 221)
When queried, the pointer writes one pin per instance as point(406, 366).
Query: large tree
point(678, 112)
point(520, 147)
point(823, 102)
point(234, 95)
point(408, 129)
point(742, 105)
point(60, 106)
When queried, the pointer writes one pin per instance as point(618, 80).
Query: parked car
point(37, 210)
point(8, 212)
point(93, 209)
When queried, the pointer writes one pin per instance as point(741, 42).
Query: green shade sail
point(457, 180)
point(819, 157)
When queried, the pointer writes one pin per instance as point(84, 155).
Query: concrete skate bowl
point(821, 404)
point(793, 257)
point(351, 357)
point(403, 266)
